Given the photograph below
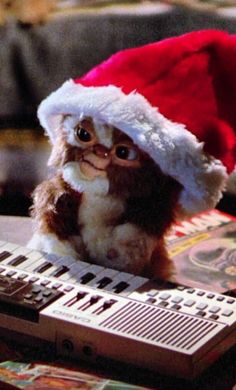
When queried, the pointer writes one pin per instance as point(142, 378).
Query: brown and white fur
point(108, 202)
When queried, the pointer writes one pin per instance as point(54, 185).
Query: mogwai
point(108, 203)
point(144, 137)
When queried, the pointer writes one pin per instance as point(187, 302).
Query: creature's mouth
point(90, 169)
point(92, 165)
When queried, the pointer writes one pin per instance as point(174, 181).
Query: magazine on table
point(203, 250)
point(36, 376)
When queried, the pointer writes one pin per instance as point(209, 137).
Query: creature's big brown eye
point(82, 134)
point(125, 152)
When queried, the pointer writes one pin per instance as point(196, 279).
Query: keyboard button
point(45, 282)
point(176, 307)
point(230, 300)
point(214, 317)
point(56, 286)
point(181, 288)
point(164, 296)
point(80, 295)
point(201, 293)
point(210, 296)
point(11, 273)
point(47, 293)
point(189, 303)
point(190, 290)
point(152, 293)
point(22, 276)
point(151, 300)
point(177, 299)
point(201, 313)
point(201, 306)
point(108, 303)
point(94, 299)
point(38, 299)
point(36, 290)
point(68, 288)
point(28, 296)
point(33, 279)
point(214, 309)
point(163, 304)
point(227, 313)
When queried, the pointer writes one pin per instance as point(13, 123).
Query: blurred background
point(45, 42)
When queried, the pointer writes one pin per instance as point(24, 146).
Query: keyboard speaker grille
point(159, 325)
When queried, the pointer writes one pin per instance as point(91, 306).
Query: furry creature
point(108, 203)
point(135, 142)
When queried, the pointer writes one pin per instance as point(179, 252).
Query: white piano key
point(35, 259)
point(135, 283)
point(74, 269)
point(52, 258)
point(69, 261)
point(9, 247)
point(92, 269)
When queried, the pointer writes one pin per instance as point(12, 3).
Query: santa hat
point(175, 99)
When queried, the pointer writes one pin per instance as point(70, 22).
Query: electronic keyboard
point(90, 311)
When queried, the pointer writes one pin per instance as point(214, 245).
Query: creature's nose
point(101, 151)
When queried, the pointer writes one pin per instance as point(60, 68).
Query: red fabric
point(191, 79)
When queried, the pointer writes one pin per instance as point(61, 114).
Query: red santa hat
point(175, 99)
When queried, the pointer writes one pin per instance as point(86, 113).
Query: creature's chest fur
point(97, 216)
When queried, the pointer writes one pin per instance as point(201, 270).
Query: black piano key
point(121, 286)
point(104, 282)
point(17, 260)
point(60, 271)
point(43, 267)
point(87, 278)
point(4, 255)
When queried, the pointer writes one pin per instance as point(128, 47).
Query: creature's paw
point(131, 249)
point(49, 243)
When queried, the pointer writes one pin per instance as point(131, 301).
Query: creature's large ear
point(57, 156)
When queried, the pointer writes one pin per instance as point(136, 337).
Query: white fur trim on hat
point(177, 151)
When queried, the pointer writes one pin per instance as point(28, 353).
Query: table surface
point(220, 376)
point(15, 229)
